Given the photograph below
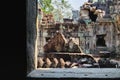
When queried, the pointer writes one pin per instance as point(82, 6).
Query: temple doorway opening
point(100, 41)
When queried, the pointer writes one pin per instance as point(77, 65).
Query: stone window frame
point(33, 72)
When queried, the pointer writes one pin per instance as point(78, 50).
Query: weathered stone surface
point(54, 63)
point(47, 63)
point(31, 33)
point(40, 63)
point(76, 73)
point(62, 63)
point(107, 63)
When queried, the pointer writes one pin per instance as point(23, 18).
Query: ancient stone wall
point(31, 34)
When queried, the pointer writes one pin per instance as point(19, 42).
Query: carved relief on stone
point(100, 13)
point(107, 40)
point(109, 34)
point(101, 28)
point(118, 22)
point(84, 14)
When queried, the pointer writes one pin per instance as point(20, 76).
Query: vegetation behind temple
point(59, 9)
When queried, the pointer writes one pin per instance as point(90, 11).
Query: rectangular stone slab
point(75, 73)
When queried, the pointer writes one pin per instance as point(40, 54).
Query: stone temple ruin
point(89, 43)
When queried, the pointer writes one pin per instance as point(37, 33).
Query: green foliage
point(58, 8)
point(62, 1)
point(46, 6)
point(61, 9)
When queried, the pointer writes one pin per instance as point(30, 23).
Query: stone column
point(31, 35)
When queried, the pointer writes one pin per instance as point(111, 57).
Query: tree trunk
point(31, 34)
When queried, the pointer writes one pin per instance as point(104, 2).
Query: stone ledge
point(75, 73)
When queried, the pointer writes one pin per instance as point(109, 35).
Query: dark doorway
point(47, 38)
point(100, 40)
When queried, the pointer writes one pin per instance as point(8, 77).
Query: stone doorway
point(100, 41)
